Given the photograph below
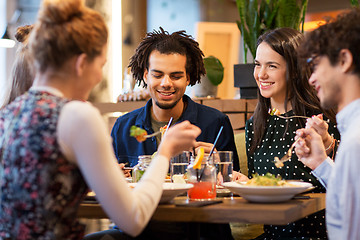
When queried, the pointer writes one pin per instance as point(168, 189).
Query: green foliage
point(214, 70)
point(255, 18)
point(354, 3)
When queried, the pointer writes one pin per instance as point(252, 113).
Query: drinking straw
point(211, 152)
point(217, 138)
point(168, 125)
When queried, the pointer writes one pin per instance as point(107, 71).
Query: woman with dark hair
point(282, 85)
point(54, 145)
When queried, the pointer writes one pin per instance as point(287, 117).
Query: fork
point(295, 116)
point(152, 135)
point(280, 162)
point(158, 132)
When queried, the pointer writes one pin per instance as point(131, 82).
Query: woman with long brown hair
point(283, 88)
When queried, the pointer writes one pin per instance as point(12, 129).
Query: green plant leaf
point(214, 70)
point(255, 19)
point(354, 3)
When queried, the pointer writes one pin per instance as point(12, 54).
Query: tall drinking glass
point(178, 166)
point(223, 161)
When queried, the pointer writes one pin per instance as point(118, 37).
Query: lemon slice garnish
point(199, 158)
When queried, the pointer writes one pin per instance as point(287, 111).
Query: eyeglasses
point(310, 62)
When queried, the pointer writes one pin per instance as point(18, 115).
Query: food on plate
point(138, 133)
point(274, 111)
point(267, 180)
point(278, 163)
point(199, 158)
point(178, 178)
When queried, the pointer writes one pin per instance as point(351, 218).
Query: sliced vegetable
point(138, 133)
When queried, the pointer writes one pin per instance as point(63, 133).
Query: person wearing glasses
point(333, 51)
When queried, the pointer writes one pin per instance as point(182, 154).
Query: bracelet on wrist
point(331, 144)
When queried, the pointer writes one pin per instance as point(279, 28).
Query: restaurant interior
point(211, 22)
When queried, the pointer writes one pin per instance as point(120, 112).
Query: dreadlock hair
point(299, 92)
point(165, 43)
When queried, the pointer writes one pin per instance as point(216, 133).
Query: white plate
point(171, 190)
point(268, 193)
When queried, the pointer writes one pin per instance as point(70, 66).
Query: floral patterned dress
point(40, 189)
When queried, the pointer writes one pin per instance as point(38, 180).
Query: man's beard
point(166, 106)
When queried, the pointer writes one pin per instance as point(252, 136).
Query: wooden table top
point(235, 209)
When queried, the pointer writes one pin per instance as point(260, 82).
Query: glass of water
point(223, 161)
point(178, 166)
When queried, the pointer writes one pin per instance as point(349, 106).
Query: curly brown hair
point(328, 39)
point(165, 43)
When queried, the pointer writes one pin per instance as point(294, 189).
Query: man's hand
point(126, 172)
point(178, 138)
point(310, 148)
point(207, 147)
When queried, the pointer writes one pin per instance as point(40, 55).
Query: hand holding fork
point(280, 162)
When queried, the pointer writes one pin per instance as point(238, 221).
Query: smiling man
point(333, 50)
point(166, 64)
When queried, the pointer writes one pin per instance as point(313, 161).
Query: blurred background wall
point(134, 19)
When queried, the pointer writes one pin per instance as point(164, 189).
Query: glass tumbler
point(203, 179)
point(223, 161)
point(178, 167)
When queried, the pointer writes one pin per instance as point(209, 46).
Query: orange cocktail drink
point(202, 174)
point(202, 190)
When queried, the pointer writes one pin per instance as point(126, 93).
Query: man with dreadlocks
point(165, 64)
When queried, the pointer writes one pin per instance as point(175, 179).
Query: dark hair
point(328, 39)
point(165, 43)
point(299, 92)
point(66, 28)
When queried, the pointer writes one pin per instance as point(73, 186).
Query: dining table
point(228, 210)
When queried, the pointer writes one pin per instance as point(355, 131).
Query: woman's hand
point(321, 127)
point(178, 138)
point(239, 177)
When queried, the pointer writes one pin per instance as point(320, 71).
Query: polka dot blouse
point(277, 140)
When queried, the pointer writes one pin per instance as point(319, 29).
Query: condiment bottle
point(140, 168)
